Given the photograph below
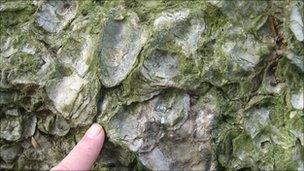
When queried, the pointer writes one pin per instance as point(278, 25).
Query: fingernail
point(93, 131)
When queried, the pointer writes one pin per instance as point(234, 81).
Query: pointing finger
point(84, 154)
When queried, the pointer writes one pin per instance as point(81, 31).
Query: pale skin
point(84, 154)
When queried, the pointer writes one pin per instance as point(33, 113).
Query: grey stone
point(246, 53)
point(53, 16)
point(12, 112)
point(9, 153)
point(297, 100)
point(246, 14)
point(11, 128)
point(177, 85)
point(298, 60)
point(54, 125)
point(161, 67)
point(29, 126)
point(65, 92)
point(152, 129)
point(296, 21)
point(121, 43)
point(17, 128)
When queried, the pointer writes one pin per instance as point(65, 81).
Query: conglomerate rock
point(193, 85)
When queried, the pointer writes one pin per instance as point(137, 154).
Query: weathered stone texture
point(192, 85)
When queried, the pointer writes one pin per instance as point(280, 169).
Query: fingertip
point(84, 154)
point(93, 131)
point(60, 167)
point(95, 136)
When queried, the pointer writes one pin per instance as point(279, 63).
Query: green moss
point(283, 159)
point(14, 14)
point(215, 21)
point(26, 63)
point(225, 148)
point(290, 74)
point(209, 75)
point(242, 144)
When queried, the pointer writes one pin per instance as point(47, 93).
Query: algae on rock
point(195, 85)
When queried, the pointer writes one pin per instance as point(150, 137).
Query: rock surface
point(177, 85)
point(121, 43)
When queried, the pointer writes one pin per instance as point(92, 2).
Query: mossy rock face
point(192, 85)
